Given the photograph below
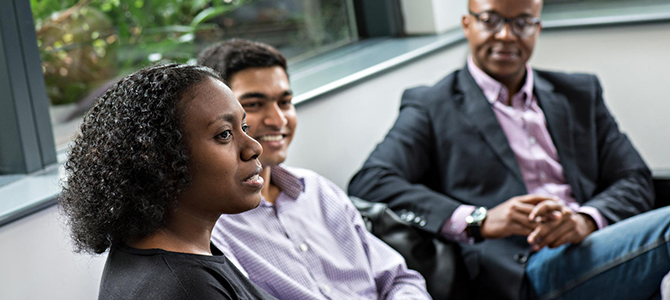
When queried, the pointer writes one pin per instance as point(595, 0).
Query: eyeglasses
point(523, 26)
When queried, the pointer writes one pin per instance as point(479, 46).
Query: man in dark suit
point(526, 169)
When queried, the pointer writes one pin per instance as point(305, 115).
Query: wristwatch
point(475, 221)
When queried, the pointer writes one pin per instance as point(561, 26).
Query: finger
point(562, 232)
point(520, 230)
point(522, 220)
point(539, 235)
point(534, 199)
point(523, 207)
point(552, 216)
point(566, 238)
point(541, 231)
point(570, 237)
point(544, 209)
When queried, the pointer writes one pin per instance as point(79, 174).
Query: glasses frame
point(535, 21)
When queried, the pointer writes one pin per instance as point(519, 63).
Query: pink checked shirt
point(526, 129)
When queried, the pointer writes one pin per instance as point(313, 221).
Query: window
point(85, 46)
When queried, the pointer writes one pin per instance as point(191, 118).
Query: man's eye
point(521, 23)
point(251, 105)
point(226, 135)
point(489, 18)
point(245, 128)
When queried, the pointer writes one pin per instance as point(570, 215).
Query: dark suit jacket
point(447, 149)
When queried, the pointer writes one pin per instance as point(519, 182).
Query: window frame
point(24, 114)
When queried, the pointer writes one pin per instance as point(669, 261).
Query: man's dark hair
point(130, 161)
point(232, 56)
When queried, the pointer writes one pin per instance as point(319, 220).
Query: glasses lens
point(525, 26)
point(490, 22)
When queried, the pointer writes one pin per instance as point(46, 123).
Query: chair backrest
point(662, 188)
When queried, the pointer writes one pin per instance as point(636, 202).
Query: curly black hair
point(130, 162)
point(234, 55)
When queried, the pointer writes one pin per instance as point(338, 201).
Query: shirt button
point(423, 223)
point(304, 247)
point(326, 288)
point(532, 140)
point(543, 175)
point(409, 216)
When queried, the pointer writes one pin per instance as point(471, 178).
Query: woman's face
point(223, 164)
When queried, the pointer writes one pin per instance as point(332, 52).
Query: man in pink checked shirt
point(525, 169)
point(305, 240)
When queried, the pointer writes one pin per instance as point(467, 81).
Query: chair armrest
point(436, 259)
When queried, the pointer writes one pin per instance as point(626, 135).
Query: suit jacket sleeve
point(624, 186)
point(406, 157)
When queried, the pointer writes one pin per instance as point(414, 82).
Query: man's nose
point(505, 33)
point(274, 116)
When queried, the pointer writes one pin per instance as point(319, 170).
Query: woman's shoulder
point(158, 274)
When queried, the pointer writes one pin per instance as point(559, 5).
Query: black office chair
point(662, 188)
point(436, 259)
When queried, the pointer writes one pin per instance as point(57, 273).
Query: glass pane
point(86, 45)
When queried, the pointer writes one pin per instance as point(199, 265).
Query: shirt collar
point(289, 183)
point(492, 88)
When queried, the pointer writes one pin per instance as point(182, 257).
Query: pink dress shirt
point(526, 129)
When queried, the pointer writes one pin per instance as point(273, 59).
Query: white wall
point(338, 131)
point(36, 261)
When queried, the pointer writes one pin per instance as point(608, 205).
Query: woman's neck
point(185, 233)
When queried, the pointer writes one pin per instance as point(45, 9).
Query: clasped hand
point(543, 220)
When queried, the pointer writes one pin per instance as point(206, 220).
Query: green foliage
point(84, 43)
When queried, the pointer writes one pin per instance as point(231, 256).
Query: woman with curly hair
point(161, 155)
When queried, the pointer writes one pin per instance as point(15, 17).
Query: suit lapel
point(561, 128)
point(478, 110)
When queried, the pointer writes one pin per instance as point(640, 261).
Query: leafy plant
point(84, 43)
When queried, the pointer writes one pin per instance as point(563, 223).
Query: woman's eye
point(225, 135)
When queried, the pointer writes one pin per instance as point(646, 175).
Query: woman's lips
point(255, 180)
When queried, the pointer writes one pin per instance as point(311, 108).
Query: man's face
point(502, 55)
point(265, 94)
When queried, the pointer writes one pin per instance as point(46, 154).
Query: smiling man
point(305, 240)
point(526, 169)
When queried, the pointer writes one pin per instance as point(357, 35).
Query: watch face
point(478, 215)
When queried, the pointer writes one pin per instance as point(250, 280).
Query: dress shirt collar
point(288, 183)
point(492, 89)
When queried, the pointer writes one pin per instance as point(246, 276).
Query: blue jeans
point(626, 260)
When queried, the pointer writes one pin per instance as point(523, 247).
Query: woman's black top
point(158, 274)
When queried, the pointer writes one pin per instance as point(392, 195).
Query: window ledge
point(601, 13)
point(347, 65)
point(30, 193)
